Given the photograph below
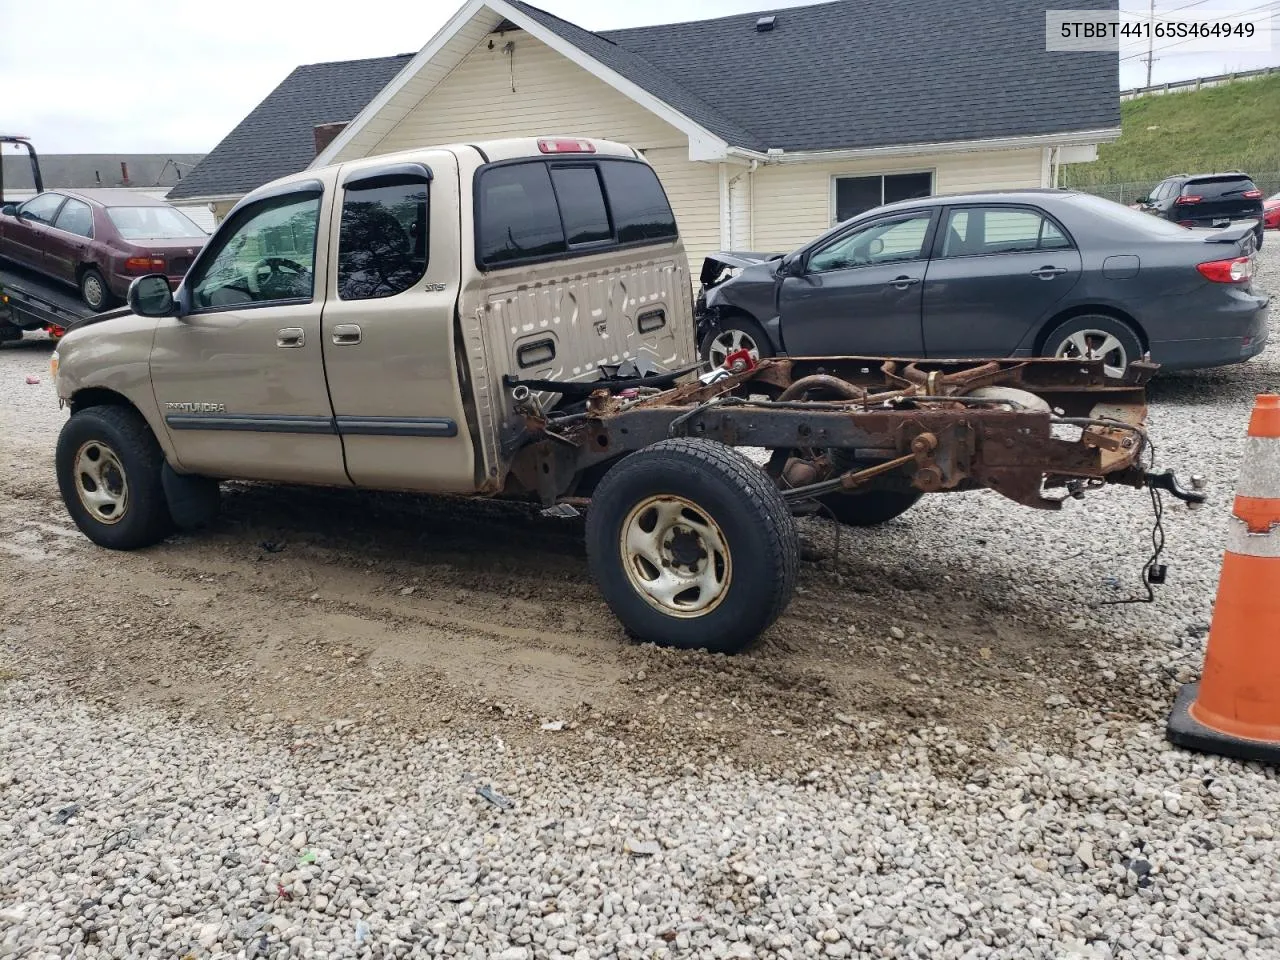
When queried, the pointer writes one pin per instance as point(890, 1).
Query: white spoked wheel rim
point(101, 483)
point(1096, 345)
point(676, 556)
point(731, 341)
point(93, 291)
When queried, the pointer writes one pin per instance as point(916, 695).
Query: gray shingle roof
point(277, 138)
point(838, 75)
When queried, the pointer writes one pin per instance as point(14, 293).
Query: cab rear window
point(535, 210)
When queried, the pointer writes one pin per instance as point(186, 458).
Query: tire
point(733, 333)
point(1098, 332)
point(872, 508)
point(727, 524)
point(94, 292)
point(111, 450)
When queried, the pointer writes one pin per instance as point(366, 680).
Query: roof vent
point(765, 24)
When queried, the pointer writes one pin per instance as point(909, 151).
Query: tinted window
point(153, 223)
point(518, 215)
point(267, 253)
point(42, 208)
point(975, 231)
point(75, 217)
point(382, 242)
point(639, 204)
point(581, 204)
point(1219, 188)
point(881, 242)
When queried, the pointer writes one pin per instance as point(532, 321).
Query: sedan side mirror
point(792, 265)
point(150, 296)
point(9, 209)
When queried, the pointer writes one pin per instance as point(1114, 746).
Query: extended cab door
point(388, 329)
point(859, 292)
point(239, 376)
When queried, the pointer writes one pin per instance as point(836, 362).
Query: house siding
point(553, 95)
point(793, 202)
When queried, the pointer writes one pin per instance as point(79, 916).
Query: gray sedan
point(1018, 273)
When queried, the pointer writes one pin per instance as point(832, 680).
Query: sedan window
point(885, 241)
point(978, 231)
point(75, 217)
point(42, 207)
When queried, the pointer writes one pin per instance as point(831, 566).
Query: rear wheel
point(94, 291)
point(108, 465)
point(1095, 337)
point(692, 546)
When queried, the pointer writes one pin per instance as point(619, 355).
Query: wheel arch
point(1087, 309)
point(102, 397)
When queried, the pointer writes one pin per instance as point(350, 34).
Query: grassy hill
point(1232, 127)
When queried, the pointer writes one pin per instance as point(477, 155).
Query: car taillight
point(1253, 194)
point(1236, 270)
point(144, 265)
point(566, 146)
point(1186, 223)
point(1183, 201)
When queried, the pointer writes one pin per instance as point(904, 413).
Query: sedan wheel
point(1096, 345)
point(94, 291)
point(734, 334)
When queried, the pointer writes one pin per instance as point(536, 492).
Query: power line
point(1273, 4)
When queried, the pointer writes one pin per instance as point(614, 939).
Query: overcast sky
point(87, 76)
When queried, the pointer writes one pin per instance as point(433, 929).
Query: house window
point(855, 195)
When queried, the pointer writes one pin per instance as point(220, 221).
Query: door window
point(42, 208)
point(886, 241)
point(382, 243)
point(75, 217)
point(978, 231)
point(267, 254)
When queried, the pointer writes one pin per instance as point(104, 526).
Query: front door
point(239, 377)
point(25, 234)
point(859, 293)
point(997, 273)
point(388, 329)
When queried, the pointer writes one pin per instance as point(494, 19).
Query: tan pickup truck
point(513, 318)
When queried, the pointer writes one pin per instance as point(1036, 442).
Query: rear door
point(859, 293)
point(1216, 201)
point(26, 234)
point(388, 327)
point(67, 243)
point(996, 272)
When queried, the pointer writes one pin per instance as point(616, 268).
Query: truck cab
point(353, 325)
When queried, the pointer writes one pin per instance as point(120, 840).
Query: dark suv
point(1207, 200)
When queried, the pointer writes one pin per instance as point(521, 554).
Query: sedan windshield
point(153, 223)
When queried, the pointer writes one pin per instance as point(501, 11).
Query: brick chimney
point(324, 134)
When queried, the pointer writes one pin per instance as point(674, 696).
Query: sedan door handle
point(288, 337)
point(346, 334)
point(1048, 273)
point(903, 282)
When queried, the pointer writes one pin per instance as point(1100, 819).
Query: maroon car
point(99, 240)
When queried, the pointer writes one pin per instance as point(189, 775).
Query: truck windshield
point(153, 223)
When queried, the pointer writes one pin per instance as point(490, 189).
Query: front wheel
point(108, 464)
point(735, 333)
point(692, 546)
point(1095, 337)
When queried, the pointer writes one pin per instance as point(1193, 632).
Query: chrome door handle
point(345, 334)
point(903, 282)
point(1048, 273)
point(290, 337)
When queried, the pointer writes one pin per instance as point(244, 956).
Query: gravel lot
point(269, 740)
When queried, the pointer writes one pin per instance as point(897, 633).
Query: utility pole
point(1151, 39)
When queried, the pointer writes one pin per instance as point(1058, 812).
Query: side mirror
point(150, 296)
point(792, 265)
point(9, 209)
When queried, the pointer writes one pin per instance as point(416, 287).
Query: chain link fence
point(1132, 191)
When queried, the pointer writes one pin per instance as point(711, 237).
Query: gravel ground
point(269, 740)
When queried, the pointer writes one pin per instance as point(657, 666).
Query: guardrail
point(1199, 83)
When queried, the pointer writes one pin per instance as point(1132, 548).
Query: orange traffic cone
point(1235, 708)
